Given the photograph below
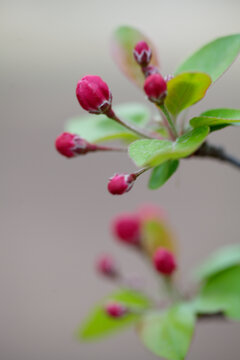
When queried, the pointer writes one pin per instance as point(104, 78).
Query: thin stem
point(170, 122)
point(217, 152)
point(142, 133)
point(214, 316)
point(141, 171)
point(108, 148)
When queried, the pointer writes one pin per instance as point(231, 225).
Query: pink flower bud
point(94, 95)
point(115, 310)
point(155, 88)
point(142, 53)
point(71, 145)
point(121, 183)
point(164, 261)
point(150, 70)
point(127, 229)
point(106, 266)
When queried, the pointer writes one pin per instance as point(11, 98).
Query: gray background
point(55, 213)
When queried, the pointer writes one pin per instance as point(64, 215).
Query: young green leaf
point(99, 324)
point(124, 40)
point(224, 258)
point(168, 333)
point(155, 152)
point(100, 128)
point(214, 58)
point(186, 89)
point(221, 292)
point(161, 173)
point(217, 118)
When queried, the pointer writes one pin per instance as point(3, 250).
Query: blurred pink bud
point(152, 212)
point(150, 70)
point(155, 88)
point(121, 183)
point(94, 95)
point(115, 310)
point(142, 53)
point(71, 145)
point(164, 261)
point(127, 228)
point(106, 266)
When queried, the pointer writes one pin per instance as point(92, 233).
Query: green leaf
point(97, 128)
point(221, 292)
point(186, 89)
point(217, 118)
point(214, 58)
point(99, 324)
point(168, 333)
point(155, 152)
point(124, 40)
point(224, 258)
point(162, 173)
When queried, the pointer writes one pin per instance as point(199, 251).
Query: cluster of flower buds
point(95, 97)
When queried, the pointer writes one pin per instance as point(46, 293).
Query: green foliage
point(214, 58)
point(224, 258)
point(186, 89)
point(217, 118)
point(221, 292)
point(168, 333)
point(154, 152)
point(124, 40)
point(100, 128)
point(161, 173)
point(99, 324)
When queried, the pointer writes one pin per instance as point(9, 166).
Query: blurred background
point(56, 212)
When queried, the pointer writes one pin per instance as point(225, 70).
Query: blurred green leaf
point(99, 324)
point(186, 89)
point(155, 152)
point(168, 333)
point(98, 128)
point(161, 173)
point(124, 40)
point(221, 293)
point(224, 258)
point(217, 118)
point(214, 58)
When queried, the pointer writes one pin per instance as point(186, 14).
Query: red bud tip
point(106, 266)
point(142, 53)
point(115, 310)
point(71, 145)
point(94, 95)
point(121, 183)
point(164, 261)
point(155, 88)
point(127, 229)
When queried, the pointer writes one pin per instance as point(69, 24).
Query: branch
point(216, 316)
point(217, 152)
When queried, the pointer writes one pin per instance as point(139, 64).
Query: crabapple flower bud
point(164, 261)
point(127, 229)
point(142, 53)
point(94, 95)
point(106, 266)
point(155, 88)
point(71, 145)
point(115, 310)
point(121, 183)
point(150, 70)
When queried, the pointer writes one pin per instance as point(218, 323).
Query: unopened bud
point(164, 261)
point(115, 310)
point(155, 88)
point(94, 95)
point(106, 266)
point(127, 229)
point(142, 53)
point(121, 183)
point(71, 145)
